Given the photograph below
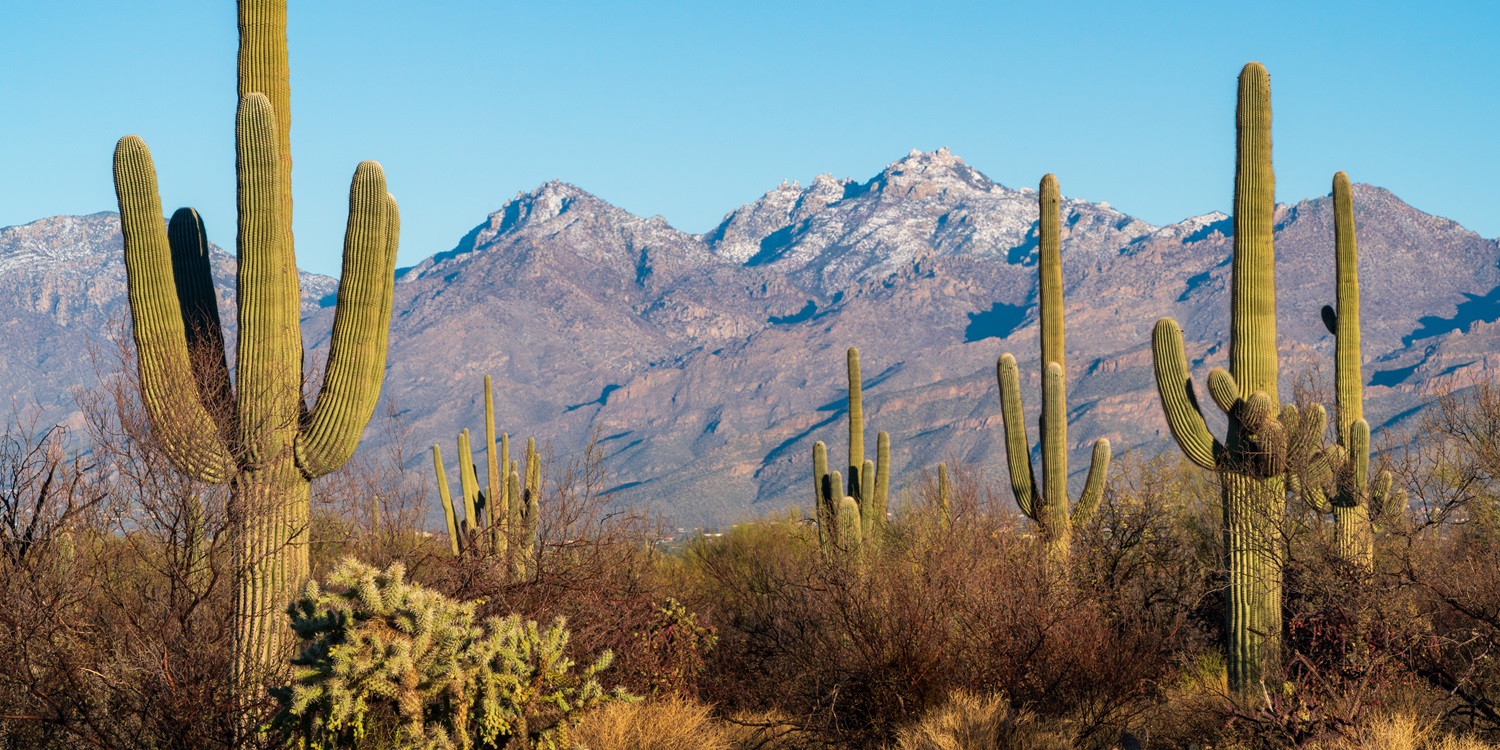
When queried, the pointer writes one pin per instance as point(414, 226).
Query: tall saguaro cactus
point(258, 433)
point(1251, 460)
point(869, 481)
point(1049, 507)
point(1353, 494)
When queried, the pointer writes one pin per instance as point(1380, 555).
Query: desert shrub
point(856, 649)
point(597, 566)
point(390, 664)
point(668, 724)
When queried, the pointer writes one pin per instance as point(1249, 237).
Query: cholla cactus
point(390, 664)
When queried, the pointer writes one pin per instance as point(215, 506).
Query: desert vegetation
point(172, 577)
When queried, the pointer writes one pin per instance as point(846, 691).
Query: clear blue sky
point(690, 109)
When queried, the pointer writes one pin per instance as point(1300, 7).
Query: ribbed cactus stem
point(880, 503)
point(866, 493)
point(494, 489)
point(1354, 537)
point(1252, 459)
point(835, 481)
point(850, 538)
point(1017, 444)
point(945, 510)
point(258, 433)
point(529, 533)
point(507, 499)
point(1049, 271)
point(517, 548)
point(1054, 511)
point(533, 467)
point(1348, 363)
point(1252, 341)
point(1049, 507)
point(856, 424)
point(822, 507)
point(1354, 540)
point(454, 537)
point(468, 484)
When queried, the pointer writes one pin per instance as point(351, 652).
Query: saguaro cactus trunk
point(1049, 508)
point(258, 434)
point(1251, 461)
point(1352, 493)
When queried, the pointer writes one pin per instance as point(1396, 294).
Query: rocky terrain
point(708, 364)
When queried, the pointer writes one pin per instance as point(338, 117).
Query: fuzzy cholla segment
point(392, 663)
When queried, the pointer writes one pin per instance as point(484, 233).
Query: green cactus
point(455, 535)
point(823, 504)
point(945, 505)
point(508, 524)
point(1352, 493)
point(387, 663)
point(856, 425)
point(257, 433)
point(869, 481)
point(850, 526)
point(1252, 460)
point(1050, 508)
point(875, 518)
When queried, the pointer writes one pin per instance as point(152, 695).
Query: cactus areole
point(257, 433)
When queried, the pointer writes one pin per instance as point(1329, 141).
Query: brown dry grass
point(680, 724)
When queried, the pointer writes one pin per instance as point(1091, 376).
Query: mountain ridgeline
point(707, 365)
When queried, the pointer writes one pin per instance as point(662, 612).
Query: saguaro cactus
point(1251, 460)
point(869, 481)
point(1049, 508)
point(505, 516)
point(1352, 493)
point(258, 433)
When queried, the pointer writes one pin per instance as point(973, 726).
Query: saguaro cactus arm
point(496, 494)
point(856, 424)
point(1093, 487)
point(468, 483)
point(193, 276)
point(1017, 445)
point(1179, 402)
point(447, 498)
point(351, 379)
point(188, 431)
point(881, 501)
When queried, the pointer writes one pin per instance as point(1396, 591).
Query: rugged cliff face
point(709, 363)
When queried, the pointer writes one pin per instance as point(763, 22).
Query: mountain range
point(707, 364)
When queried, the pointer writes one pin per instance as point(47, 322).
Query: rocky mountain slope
point(708, 364)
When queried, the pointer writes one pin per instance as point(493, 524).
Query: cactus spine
point(1251, 461)
point(1353, 493)
point(1050, 507)
point(256, 433)
point(869, 481)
